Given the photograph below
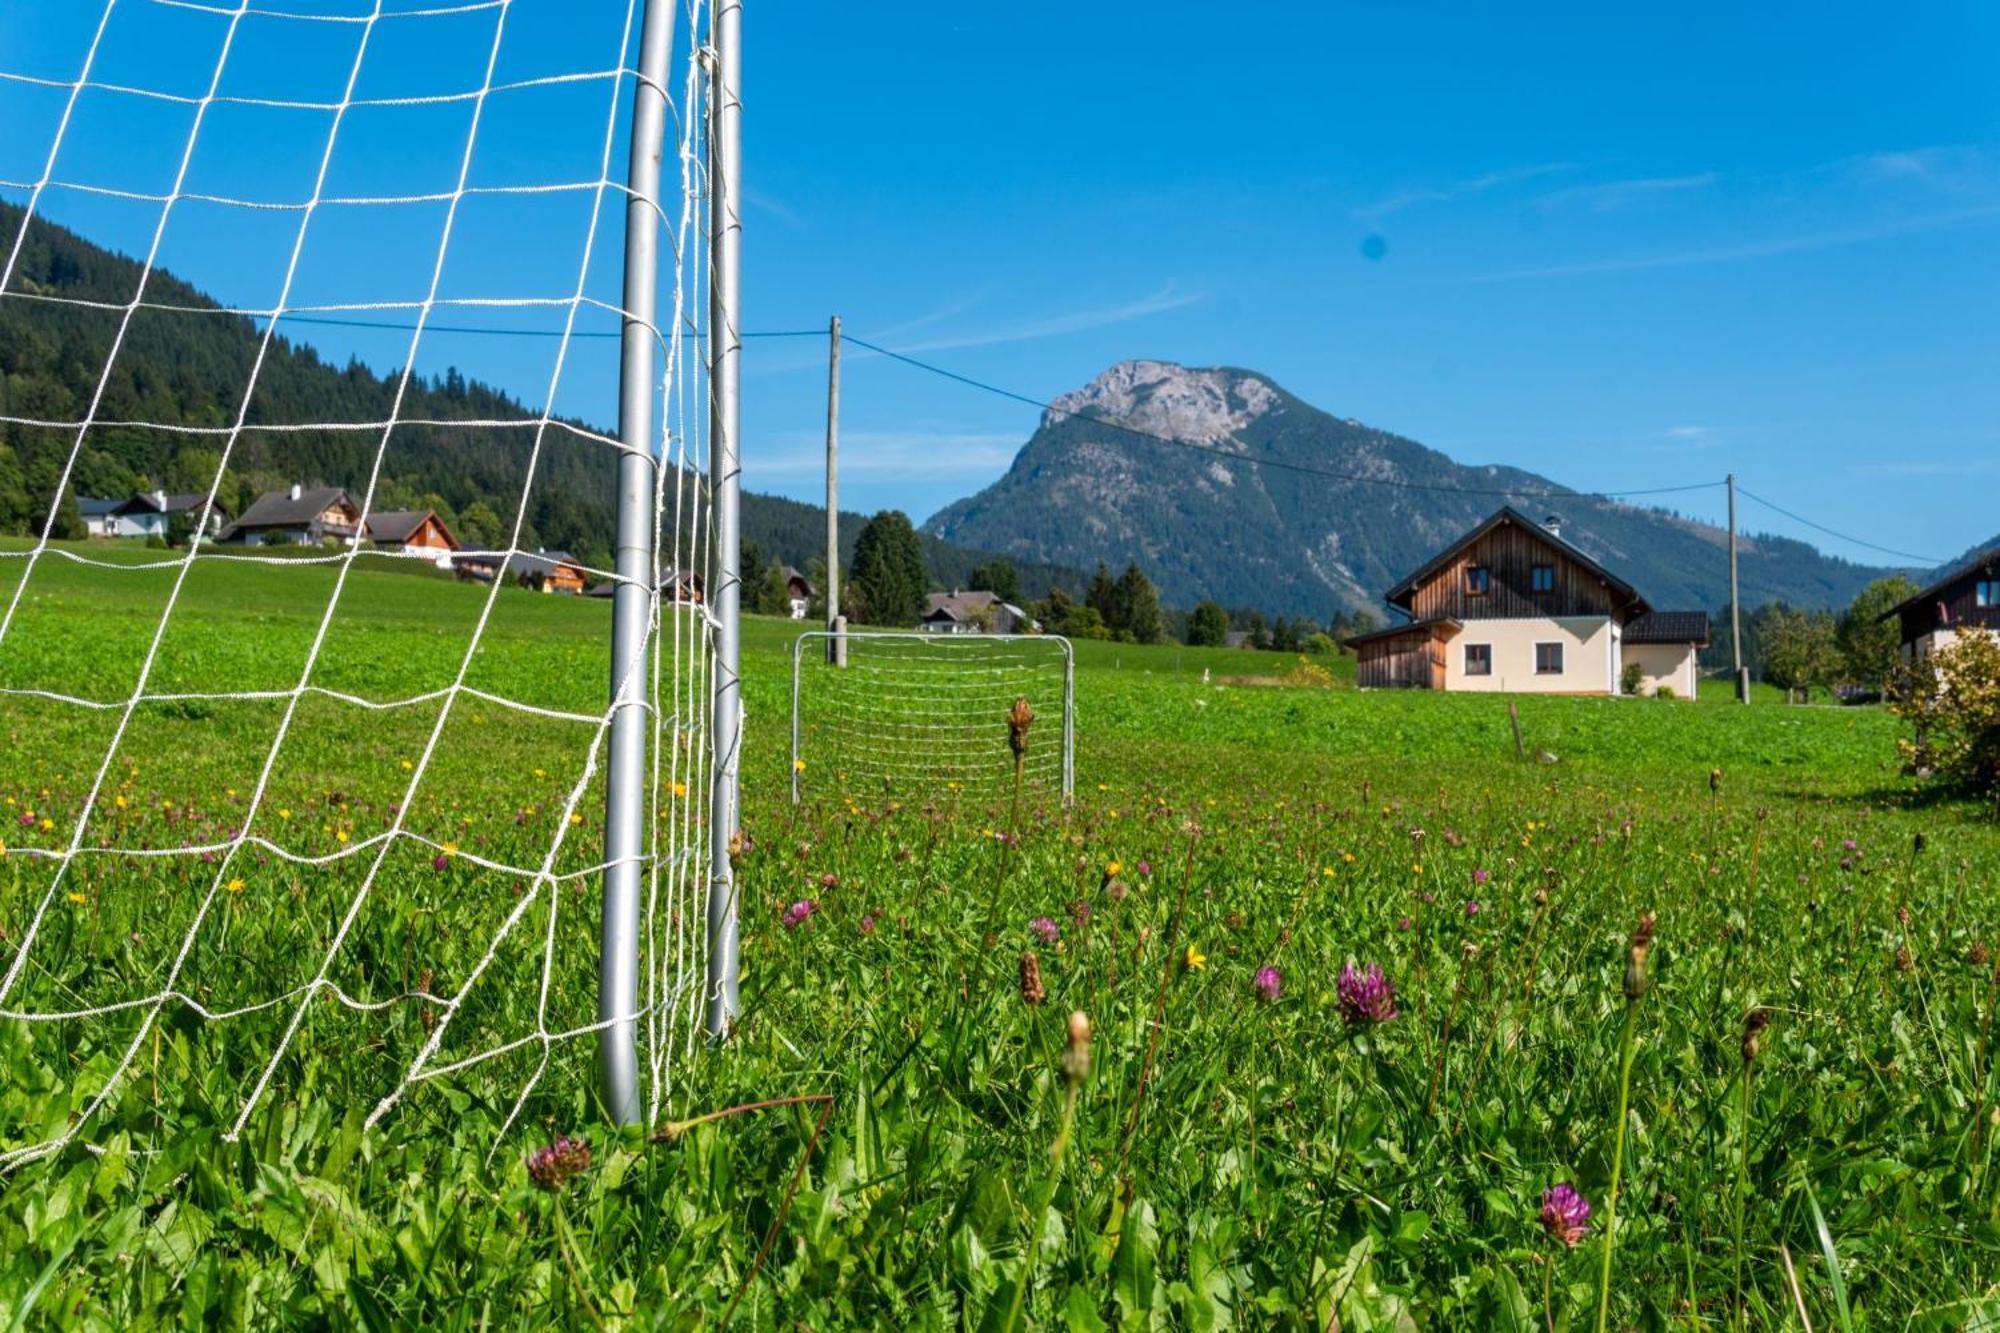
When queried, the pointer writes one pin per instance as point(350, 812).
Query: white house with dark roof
point(958, 612)
point(1511, 606)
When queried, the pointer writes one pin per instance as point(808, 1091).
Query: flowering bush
point(1951, 699)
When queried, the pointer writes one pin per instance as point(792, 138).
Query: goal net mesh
point(283, 829)
point(924, 717)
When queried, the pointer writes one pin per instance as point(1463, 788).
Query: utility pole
point(836, 624)
point(725, 463)
point(1740, 677)
point(632, 599)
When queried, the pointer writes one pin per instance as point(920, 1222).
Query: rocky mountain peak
point(1205, 406)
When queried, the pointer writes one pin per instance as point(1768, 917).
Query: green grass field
point(1231, 1162)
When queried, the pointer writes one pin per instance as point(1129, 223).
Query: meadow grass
point(1230, 1160)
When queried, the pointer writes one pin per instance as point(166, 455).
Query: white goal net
point(310, 813)
point(924, 716)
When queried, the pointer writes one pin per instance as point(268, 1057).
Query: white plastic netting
point(321, 822)
point(924, 716)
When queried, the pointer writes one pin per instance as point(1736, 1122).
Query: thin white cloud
point(773, 206)
point(1074, 321)
point(913, 455)
point(1441, 194)
point(1727, 254)
point(1616, 194)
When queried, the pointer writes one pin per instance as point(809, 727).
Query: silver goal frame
point(943, 641)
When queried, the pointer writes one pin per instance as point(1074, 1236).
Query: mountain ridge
point(1281, 505)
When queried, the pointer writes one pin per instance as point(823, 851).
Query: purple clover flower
point(1366, 995)
point(553, 1167)
point(1472, 907)
point(797, 914)
point(1144, 868)
point(1045, 930)
point(1565, 1214)
point(1481, 876)
point(1269, 983)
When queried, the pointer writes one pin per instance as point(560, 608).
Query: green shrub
point(1951, 699)
point(1630, 678)
point(1665, 692)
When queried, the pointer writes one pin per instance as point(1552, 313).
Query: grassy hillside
point(1231, 1160)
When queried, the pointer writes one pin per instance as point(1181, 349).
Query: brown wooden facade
point(1955, 602)
point(1510, 551)
point(1408, 658)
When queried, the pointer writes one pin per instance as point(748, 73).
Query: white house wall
point(1670, 664)
point(1589, 656)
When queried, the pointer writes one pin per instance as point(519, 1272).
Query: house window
point(1986, 592)
point(1477, 580)
point(1542, 578)
point(1478, 659)
point(1548, 659)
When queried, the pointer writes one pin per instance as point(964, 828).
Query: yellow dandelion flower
point(1326, 872)
point(541, 773)
point(407, 765)
point(1416, 867)
point(798, 765)
point(118, 801)
point(1347, 857)
point(680, 789)
point(1113, 867)
point(284, 814)
point(78, 898)
point(48, 825)
point(576, 819)
point(234, 886)
point(166, 805)
point(340, 836)
point(450, 849)
point(1196, 959)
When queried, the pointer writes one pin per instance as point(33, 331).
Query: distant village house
point(149, 514)
point(798, 593)
point(958, 612)
point(1965, 601)
point(1511, 606)
point(301, 516)
point(411, 530)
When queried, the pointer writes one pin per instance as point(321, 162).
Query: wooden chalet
point(1965, 601)
point(410, 530)
point(1511, 606)
point(302, 516)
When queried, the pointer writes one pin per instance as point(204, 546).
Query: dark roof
point(399, 525)
point(1668, 627)
point(277, 509)
point(1509, 514)
point(1406, 627)
point(145, 502)
point(1982, 562)
point(958, 605)
point(791, 575)
point(91, 506)
point(524, 565)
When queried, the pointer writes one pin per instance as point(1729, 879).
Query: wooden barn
point(410, 530)
point(1511, 606)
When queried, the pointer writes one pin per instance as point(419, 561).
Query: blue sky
point(1622, 248)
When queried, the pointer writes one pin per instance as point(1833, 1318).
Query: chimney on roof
point(1553, 525)
point(297, 490)
point(160, 500)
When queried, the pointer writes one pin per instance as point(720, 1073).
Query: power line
point(1820, 527)
point(1304, 468)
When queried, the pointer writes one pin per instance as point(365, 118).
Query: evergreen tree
point(1208, 626)
point(1054, 611)
point(1253, 623)
point(1138, 604)
point(888, 571)
point(998, 577)
point(1102, 597)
